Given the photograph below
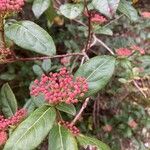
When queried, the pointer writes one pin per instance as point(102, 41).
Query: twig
point(112, 21)
point(96, 39)
point(2, 34)
point(104, 45)
point(42, 58)
point(77, 117)
point(89, 27)
point(137, 86)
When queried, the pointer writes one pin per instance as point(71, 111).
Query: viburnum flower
point(125, 52)
point(73, 129)
point(5, 123)
point(97, 18)
point(60, 87)
point(65, 60)
point(4, 54)
point(3, 137)
point(9, 6)
point(145, 14)
point(107, 128)
point(137, 48)
point(132, 124)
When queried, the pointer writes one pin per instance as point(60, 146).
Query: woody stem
point(77, 117)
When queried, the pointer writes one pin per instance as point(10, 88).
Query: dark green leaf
point(71, 11)
point(8, 101)
point(106, 7)
point(30, 36)
point(127, 9)
point(86, 141)
point(40, 6)
point(31, 132)
point(68, 108)
point(98, 72)
point(61, 139)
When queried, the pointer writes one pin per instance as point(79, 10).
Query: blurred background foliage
point(120, 114)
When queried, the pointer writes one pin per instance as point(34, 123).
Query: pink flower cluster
point(97, 18)
point(145, 14)
point(137, 48)
point(5, 123)
point(60, 87)
point(3, 137)
point(74, 130)
point(125, 52)
point(5, 53)
point(11, 5)
point(133, 124)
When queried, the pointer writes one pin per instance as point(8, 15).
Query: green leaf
point(32, 131)
point(7, 76)
point(8, 101)
point(68, 108)
point(46, 65)
point(127, 9)
point(98, 72)
point(103, 30)
point(71, 11)
point(61, 139)
point(40, 6)
point(106, 7)
point(90, 141)
point(38, 100)
point(51, 14)
point(37, 70)
point(145, 63)
point(30, 36)
point(29, 106)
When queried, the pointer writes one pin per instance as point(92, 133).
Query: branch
point(2, 34)
point(104, 45)
point(96, 39)
point(89, 27)
point(42, 58)
point(137, 86)
point(77, 117)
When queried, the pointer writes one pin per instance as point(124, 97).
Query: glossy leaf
point(61, 139)
point(71, 11)
point(98, 72)
point(127, 9)
point(40, 6)
point(31, 132)
point(68, 108)
point(8, 101)
point(106, 7)
point(86, 141)
point(30, 36)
